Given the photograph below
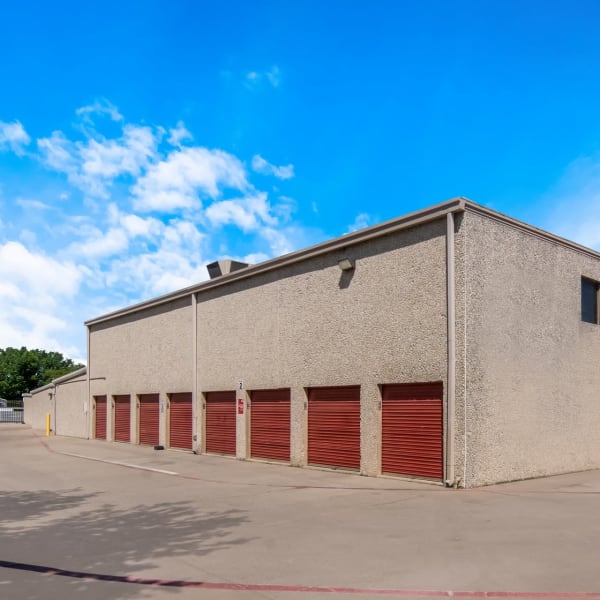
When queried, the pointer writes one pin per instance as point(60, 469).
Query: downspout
point(53, 408)
point(451, 311)
point(194, 372)
point(89, 388)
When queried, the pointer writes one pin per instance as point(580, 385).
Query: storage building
point(453, 344)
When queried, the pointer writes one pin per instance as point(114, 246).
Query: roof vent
point(224, 267)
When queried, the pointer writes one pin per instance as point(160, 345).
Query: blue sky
point(141, 140)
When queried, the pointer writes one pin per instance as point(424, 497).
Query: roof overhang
point(413, 219)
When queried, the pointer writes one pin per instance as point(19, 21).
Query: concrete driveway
point(101, 520)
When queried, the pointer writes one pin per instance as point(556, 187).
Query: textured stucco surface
point(532, 396)
point(72, 408)
point(67, 404)
point(143, 353)
point(311, 324)
point(37, 407)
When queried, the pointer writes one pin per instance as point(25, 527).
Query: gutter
point(420, 217)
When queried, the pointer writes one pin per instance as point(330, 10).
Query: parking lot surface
point(101, 520)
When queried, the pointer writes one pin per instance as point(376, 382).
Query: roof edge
point(472, 207)
point(41, 389)
point(71, 375)
point(61, 379)
point(412, 219)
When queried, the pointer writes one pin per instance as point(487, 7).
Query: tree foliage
point(23, 370)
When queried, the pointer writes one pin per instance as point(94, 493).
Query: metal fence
point(12, 415)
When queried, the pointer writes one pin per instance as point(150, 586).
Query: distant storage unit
point(454, 345)
point(66, 400)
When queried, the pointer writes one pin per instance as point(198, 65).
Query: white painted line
point(120, 464)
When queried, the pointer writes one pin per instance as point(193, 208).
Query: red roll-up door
point(334, 426)
point(100, 420)
point(149, 419)
point(270, 424)
point(220, 422)
point(122, 418)
point(180, 420)
point(412, 430)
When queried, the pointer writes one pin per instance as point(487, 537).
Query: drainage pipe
point(88, 425)
point(451, 318)
point(194, 372)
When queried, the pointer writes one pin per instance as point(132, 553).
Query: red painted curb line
point(254, 587)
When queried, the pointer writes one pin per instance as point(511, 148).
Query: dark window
point(589, 300)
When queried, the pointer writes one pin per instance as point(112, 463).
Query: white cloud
point(252, 77)
point(272, 76)
point(104, 243)
point(246, 213)
point(260, 165)
point(13, 137)
point(102, 250)
point(37, 274)
point(58, 153)
point(255, 257)
point(138, 227)
point(176, 263)
point(34, 291)
point(285, 208)
point(362, 220)
point(32, 204)
point(92, 165)
point(280, 241)
point(185, 176)
point(101, 108)
point(178, 134)
point(108, 159)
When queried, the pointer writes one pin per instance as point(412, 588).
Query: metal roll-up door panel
point(149, 419)
point(270, 424)
point(412, 430)
point(100, 421)
point(180, 420)
point(334, 426)
point(220, 422)
point(122, 418)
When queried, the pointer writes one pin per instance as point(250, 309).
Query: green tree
point(22, 370)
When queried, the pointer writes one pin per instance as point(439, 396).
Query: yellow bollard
point(47, 424)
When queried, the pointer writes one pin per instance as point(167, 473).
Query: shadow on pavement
point(103, 540)
point(17, 507)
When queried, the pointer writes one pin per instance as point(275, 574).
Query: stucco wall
point(37, 407)
point(311, 324)
point(72, 408)
point(532, 397)
point(146, 352)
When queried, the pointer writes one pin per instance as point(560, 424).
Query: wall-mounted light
point(346, 264)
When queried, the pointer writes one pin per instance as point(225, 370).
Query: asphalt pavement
point(101, 520)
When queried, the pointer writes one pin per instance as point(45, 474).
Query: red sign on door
point(240, 406)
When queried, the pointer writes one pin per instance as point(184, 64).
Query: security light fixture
point(346, 264)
